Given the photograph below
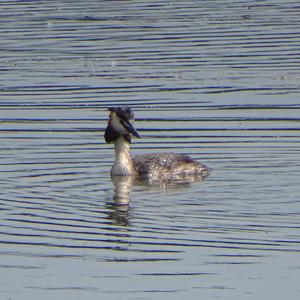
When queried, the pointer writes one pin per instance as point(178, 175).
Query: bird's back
point(168, 165)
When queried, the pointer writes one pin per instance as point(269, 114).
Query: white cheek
point(115, 123)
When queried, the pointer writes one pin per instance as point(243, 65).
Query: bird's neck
point(123, 164)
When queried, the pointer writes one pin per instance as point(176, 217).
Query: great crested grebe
point(154, 165)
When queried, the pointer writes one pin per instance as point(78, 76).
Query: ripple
point(214, 80)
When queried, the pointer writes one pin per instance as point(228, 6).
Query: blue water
point(217, 80)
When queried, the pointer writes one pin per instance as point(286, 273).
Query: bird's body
point(153, 165)
point(167, 165)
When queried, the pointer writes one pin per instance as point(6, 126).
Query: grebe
point(155, 165)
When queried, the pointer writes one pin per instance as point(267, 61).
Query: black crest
point(124, 113)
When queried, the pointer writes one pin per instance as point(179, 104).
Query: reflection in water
point(122, 189)
point(119, 212)
point(120, 206)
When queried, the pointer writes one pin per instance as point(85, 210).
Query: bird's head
point(120, 124)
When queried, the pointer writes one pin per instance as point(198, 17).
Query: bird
point(167, 165)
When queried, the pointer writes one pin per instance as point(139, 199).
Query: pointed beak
point(130, 129)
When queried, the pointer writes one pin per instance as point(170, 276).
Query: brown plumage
point(170, 165)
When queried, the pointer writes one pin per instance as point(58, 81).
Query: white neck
point(123, 164)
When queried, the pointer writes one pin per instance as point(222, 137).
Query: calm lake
point(217, 80)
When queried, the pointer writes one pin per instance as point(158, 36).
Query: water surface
point(217, 80)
